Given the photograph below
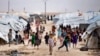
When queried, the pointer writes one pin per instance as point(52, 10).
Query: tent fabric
point(94, 19)
point(69, 19)
point(74, 19)
point(11, 22)
point(90, 29)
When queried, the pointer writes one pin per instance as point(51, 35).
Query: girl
point(74, 39)
point(51, 44)
point(33, 38)
point(37, 40)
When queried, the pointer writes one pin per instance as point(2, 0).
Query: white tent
point(90, 29)
point(94, 23)
point(91, 35)
point(11, 22)
point(70, 19)
point(94, 19)
point(74, 19)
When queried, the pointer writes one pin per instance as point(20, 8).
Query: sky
point(52, 5)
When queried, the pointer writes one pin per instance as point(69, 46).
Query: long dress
point(33, 39)
point(37, 40)
point(75, 37)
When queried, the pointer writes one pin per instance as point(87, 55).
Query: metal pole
point(45, 9)
point(8, 6)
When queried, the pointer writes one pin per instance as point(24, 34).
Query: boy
point(46, 38)
point(65, 43)
point(10, 36)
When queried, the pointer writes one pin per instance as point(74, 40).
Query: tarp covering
point(95, 23)
point(11, 22)
point(74, 19)
point(94, 19)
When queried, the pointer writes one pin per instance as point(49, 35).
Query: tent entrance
point(2, 42)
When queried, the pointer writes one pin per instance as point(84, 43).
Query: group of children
point(66, 35)
point(35, 39)
point(50, 40)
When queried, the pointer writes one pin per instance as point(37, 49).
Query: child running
point(51, 43)
point(65, 43)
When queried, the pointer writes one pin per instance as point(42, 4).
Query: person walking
point(59, 32)
point(26, 38)
point(51, 43)
point(37, 40)
point(74, 39)
point(46, 38)
point(33, 38)
point(53, 29)
point(17, 37)
point(10, 36)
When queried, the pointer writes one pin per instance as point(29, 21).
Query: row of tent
point(74, 19)
point(16, 22)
